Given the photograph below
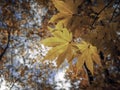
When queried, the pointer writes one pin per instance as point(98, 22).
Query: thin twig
point(13, 84)
point(101, 12)
point(114, 11)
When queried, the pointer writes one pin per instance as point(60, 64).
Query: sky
point(31, 50)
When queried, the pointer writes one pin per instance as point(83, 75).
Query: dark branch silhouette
point(114, 11)
point(101, 12)
point(4, 51)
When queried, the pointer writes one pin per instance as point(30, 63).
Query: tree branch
point(101, 12)
point(90, 77)
point(13, 84)
point(4, 51)
point(114, 11)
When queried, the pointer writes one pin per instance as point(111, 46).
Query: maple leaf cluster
point(85, 33)
point(62, 40)
point(94, 22)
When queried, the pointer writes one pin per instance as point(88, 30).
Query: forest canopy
point(77, 38)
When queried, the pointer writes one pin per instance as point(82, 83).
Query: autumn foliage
point(83, 33)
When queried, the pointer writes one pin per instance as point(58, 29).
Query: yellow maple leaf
point(67, 11)
point(88, 56)
point(62, 46)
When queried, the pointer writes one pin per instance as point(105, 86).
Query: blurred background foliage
point(23, 23)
